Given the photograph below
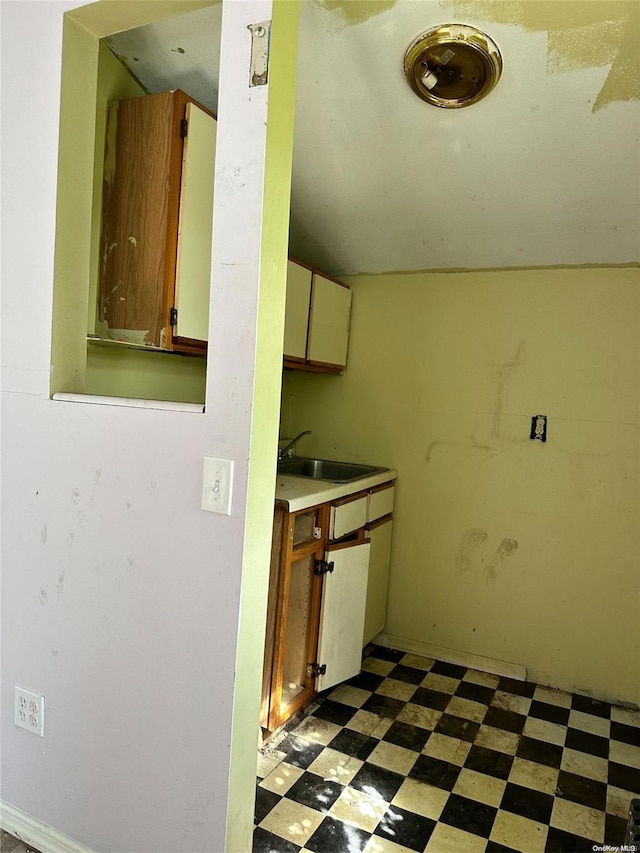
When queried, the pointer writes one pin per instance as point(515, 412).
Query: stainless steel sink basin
point(325, 469)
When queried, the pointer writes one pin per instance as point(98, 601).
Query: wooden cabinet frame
point(284, 554)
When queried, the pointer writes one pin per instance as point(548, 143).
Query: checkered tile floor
point(415, 754)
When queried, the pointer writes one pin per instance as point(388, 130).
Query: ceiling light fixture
point(453, 65)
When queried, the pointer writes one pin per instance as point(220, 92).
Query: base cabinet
point(327, 597)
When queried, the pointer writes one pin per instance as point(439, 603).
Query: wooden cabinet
point(323, 561)
point(317, 318)
point(157, 223)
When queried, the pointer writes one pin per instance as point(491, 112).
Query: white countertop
point(303, 492)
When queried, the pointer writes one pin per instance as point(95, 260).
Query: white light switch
point(217, 485)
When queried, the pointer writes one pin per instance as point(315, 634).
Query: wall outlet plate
point(29, 710)
point(539, 427)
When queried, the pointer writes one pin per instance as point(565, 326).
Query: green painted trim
point(74, 209)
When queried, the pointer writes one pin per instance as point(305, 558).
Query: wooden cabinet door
point(328, 322)
point(296, 321)
point(342, 613)
point(298, 639)
point(193, 266)
point(379, 535)
point(292, 616)
point(138, 244)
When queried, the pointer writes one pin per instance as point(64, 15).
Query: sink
point(325, 469)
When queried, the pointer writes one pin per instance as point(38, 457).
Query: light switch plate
point(217, 485)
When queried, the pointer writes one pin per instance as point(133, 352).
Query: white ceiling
point(544, 171)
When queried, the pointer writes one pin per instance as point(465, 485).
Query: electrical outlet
point(29, 710)
point(539, 427)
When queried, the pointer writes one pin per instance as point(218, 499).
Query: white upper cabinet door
point(329, 322)
point(342, 616)
point(195, 233)
point(296, 320)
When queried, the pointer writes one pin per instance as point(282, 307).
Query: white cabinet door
point(342, 614)
point(329, 322)
point(193, 270)
point(296, 319)
point(376, 610)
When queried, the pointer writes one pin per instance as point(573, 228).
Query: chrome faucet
point(288, 451)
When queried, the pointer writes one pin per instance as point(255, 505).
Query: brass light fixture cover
point(453, 65)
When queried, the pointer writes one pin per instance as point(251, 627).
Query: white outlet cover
point(217, 485)
point(29, 710)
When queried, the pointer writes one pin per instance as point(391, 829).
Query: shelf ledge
point(129, 402)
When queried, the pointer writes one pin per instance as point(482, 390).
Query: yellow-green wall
point(116, 371)
point(503, 547)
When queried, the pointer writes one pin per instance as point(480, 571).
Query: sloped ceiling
point(544, 171)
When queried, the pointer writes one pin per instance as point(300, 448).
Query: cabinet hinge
point(184, 128)
point(322, 567)
point(173, 317)
point(316, 669)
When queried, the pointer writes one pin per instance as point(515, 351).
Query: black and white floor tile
point(419, 755)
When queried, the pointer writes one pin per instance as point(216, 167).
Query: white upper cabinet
point(316, 332)
point(329, 322)
point(296, 322)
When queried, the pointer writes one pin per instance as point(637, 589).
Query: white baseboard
point(36, 833)
point(427, 650)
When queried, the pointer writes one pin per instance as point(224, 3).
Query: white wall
point(120, 598)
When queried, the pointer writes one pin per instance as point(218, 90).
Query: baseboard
point(427, 650)
point(36, 833)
